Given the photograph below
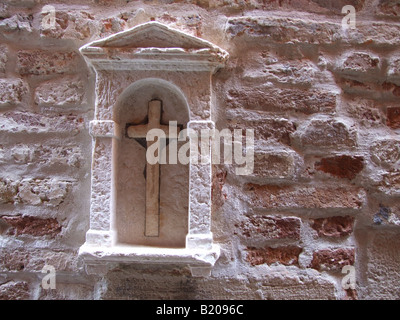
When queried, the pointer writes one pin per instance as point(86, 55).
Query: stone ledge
point(99, 260)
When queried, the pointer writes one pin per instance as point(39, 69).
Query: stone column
point(200, 236)
point(101, 202)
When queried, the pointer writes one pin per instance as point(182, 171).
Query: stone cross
point(152, 170)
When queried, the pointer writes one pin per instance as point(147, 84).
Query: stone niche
point(150, 75)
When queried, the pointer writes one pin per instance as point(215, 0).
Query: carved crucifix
point(152, 170)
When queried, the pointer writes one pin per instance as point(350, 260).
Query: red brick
point(270, 227)
point(291, 197)
point(335, 227)
point(332, 259)
point(341, 166)
point(287, 256)
point(351, 294)
point(393, 117)
point(32, 225)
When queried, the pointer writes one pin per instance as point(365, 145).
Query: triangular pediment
point(154, 46)
point(153, 35)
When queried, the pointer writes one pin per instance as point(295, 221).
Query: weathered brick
point(31, 225)
point(385, 152)
point(46, 155)
point(341, 166)
point(337, 5)
point(33, 260)
point(111, 25)
point(80, 289)
point(281, 100)
point(365, 89)
point(389, 90)
point(4, 12)
point(15, 290)
point(38, 62)
point(260, 227)
point(218, 196)
point(69, 25)
point(19, 22)
point(366, 111)
point(332, 259)
point(274, 164)
point(307, 197)
point(265, 128)
point(393, 117)
point(61, 92)
point(390, 183)
point(70, 155)
point(351, 294)
point(16, 121)
point(8, 191)
point(172, 284)
point(288, 255)
point(335, 227)
point(393, 73)
point(51, 192)
point(300, 73)
point(319, 6)
point(3, 57)
point(12, 91)
point(382, 270)
point(359, 65)
point(321, 133)
point(389, 8)
point(283, 30)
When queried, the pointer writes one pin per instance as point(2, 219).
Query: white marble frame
point(100, 251)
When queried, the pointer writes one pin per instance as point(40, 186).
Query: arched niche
point(130, 156)
point(133, 68)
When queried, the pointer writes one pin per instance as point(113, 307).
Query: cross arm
point(138, 131)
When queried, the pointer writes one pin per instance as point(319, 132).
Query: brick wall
point(325, 107)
